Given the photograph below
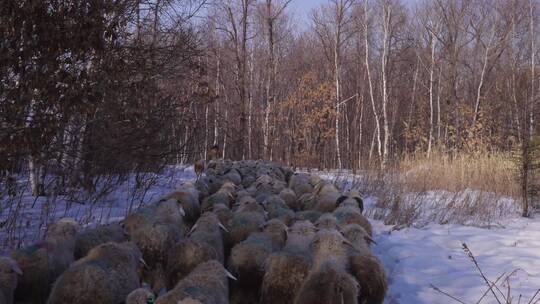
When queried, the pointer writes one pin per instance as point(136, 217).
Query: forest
point(98, 88)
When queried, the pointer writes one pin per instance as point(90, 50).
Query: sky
point(302, 9)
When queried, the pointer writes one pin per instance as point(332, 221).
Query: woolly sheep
point(300, 184)
point(370, 274)
point(326, 221)
point(205, 243)
point(140, 296)
point(286, 270)
point(358, 236)
point(328, 285)
point(328, 280)
point(92, 237)
point(106, 275)
point(308, 215)
point(347, 214)
point(44, 261)
point(352, 197)
point(154, 241)
point(289, 197)
point(9, 272)
point(188, 197)
point(247, 260)
point(242, 224)
point(207, 283)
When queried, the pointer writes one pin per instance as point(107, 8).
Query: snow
point(23, 220)
point(418, 258)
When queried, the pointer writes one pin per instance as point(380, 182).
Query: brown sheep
point(106, 275)
point(347, 214)
point(43, 262)
point(286, 270)
point(140, 296)
point(207, 283)
point(248, 257)
point(205, 242)
point(370, 274)
point(92, 237)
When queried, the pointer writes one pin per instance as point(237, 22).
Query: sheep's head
point(326, 221)
point(64, 230)
point(351, 199)
point(330, 245)
point(356, 233)
point(141, 296)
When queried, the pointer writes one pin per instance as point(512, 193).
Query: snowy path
point(416, 258)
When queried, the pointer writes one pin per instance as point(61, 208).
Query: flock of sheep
point(244, 232)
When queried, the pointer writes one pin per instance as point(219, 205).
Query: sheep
point(155, 240)
point(107, 274)
point(140, 296)
point(365, 267)
point(244, 222)
point(307, 201)
point(326, 221)
point(167, 212)
point(205, 243)
point(44, 261)
point(326, 197)
point(284, 274)
point(9, 272)
point(155, 229)
point(370, 274)
point(286, 270)
point(247, 259)
point(277, 208)
point(187, 196)
point(308, 215)
point(300, 184)
point(352, 197)
point(329, 245)
point(347, 214)
point(358, 236)
point(225, 195)
point(207, 283)
point(210, 181)
point(328, 285)
point(92, 237)
point(223, 213)
point(234, 176)
point(328, 280)
point(289, 197)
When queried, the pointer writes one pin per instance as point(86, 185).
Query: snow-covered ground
point(419, 259)
point(24, 219)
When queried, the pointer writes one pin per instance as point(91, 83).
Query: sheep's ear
point(370, 240)
point(223, 227)
point(141, 260)
point(182, 211)
point(360, 204)
point(348, 243)
point(340, 200)
point(192, 229)
point(230, 275)
point(15, 267)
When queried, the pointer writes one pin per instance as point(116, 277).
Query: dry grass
point(493, 173)
point(478, 190)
